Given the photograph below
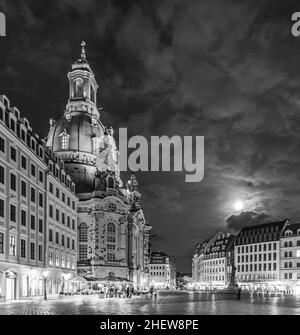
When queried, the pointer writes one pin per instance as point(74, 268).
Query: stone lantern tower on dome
point(79, 137)
point(113, 234)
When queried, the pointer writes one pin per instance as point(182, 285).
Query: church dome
point(80, 130)
point(78, 136)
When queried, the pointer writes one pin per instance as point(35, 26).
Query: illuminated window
point(12, 245)
point(298, 253)
point(64, 140)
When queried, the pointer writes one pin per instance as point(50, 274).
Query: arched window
point(64, 140)
point(298, 243)
point(290, 244)
point(285, 264)
point(285, 244)
point(290, 264)
point(83, 232)
point(78, 88)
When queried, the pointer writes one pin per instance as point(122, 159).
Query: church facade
point(113, 234)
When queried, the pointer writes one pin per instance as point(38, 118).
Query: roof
point(262, 226)
point(293, 227)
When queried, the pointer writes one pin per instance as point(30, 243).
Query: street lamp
point(45, 274)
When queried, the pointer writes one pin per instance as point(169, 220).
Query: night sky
point(226, 70)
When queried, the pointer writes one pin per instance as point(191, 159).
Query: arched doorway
point(10, 285)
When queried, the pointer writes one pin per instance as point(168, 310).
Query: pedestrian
point(238, 296)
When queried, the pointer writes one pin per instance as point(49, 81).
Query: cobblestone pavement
point(188, 303)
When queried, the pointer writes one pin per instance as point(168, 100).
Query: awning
point(78, 279)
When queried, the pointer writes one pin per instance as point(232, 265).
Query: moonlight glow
point(238, 205)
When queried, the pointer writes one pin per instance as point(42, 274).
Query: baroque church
point(113, 235)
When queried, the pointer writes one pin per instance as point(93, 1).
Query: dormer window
point(64, 140)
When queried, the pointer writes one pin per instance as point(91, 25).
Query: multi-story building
point(257, 255)
point(25, 174)
point(113, 232)
point(213, 262)
point(290, 257)
point(162, 271)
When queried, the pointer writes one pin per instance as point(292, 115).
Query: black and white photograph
point(149, 160)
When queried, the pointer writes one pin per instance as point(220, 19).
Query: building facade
point(290, 257)
point(25, 172)
point(213, 262)
point(257, 256)
point(113, 232)
point(162, 271)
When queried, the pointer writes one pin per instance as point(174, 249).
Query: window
point(32, 250)
point(82, 252)
point(24, 162)
point(68, 242)
point(56, 260)
point(112, 207)
point(63, 197)
point(83, 233)
point(50, 235)
point(12, 245)
point(63, 240)
point(2, 145)
point(32, 222)
point(57, 215)
point(73, 224)
point(13, 154)
point(23, 217)
point(111, 257)
point(40, 253)
point(63, 218)
point(1, 243)
point(50, 258)
point(23, 248)
point(56, 238)
point(33, 170)
point(23, 188)
point(13, 184)
point(111, 229)
point(1, 208)
point(13, 213)
point(68, 221)
point(73, 244)
point(73, 205)
point(41, 200)
point(41, 176)
point(297, 253)
point(32, 194)
point(51, 211)
point(64, 138)
point(51, 188)
point(57, 193)
point(40, 225)
point(2, 175)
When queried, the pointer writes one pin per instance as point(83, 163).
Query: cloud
point(238, 221)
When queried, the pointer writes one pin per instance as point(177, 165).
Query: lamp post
point(45, 274)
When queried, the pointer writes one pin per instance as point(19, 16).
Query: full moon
point(238, 205)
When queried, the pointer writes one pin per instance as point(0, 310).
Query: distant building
point(257, 255)
point(213, 262)
point(162, 271)
point(38, 223)
point(290, 257)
